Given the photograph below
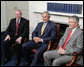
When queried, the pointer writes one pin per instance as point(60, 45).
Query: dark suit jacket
point(49, 33)
point(22, 29)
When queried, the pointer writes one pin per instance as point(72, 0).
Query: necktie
point(42, 30)
point(17, 26)
point(67, 40)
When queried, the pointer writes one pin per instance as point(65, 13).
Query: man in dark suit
point(44, 32)
point(71, 42)
point(15, 34)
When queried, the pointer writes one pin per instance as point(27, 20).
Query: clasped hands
point(61, 51)
point(37, 39)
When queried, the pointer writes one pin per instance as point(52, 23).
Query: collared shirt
point(45, 24)
point(73, 30)
point(17, 19)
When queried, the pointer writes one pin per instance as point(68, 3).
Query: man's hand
point(61, 51)
point(37, 39)
point(40, 40)
point(19, 40)
point(7, 38)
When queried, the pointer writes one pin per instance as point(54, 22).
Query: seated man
point(72, 41)
point(15, 34)
point(43, 33)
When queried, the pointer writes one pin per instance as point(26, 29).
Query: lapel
point(47, 26)
point(74, 33)
point(66, 34)
point(14, 24)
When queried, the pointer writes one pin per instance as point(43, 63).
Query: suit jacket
point(22, 28)
point(49, 33)
point(75, 42)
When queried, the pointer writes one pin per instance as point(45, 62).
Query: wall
point(8, 10)
point(38, 7)
point(3, 16)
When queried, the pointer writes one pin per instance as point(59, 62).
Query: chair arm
point(49, 45)
point(25, 40)
point(73, 59)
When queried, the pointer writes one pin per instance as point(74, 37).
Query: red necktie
point(67, 40)
point(17, 26)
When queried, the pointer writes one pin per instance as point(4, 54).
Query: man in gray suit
point(72, 41)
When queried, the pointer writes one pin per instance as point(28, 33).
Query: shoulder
point(13, 19)
point(79, 31)
point(24, 19)
point(67, 28)
point(52, 23)
point(40, 23)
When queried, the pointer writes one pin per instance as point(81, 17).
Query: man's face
point(72, 23)
point(45, 17)
point(18, 14)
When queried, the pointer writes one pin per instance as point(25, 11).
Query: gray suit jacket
point(75, 42)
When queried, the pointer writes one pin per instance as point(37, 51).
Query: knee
point(23, 46)
point(45, 55)
point(26, 45)
point(24, 49)
point(55, 63)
